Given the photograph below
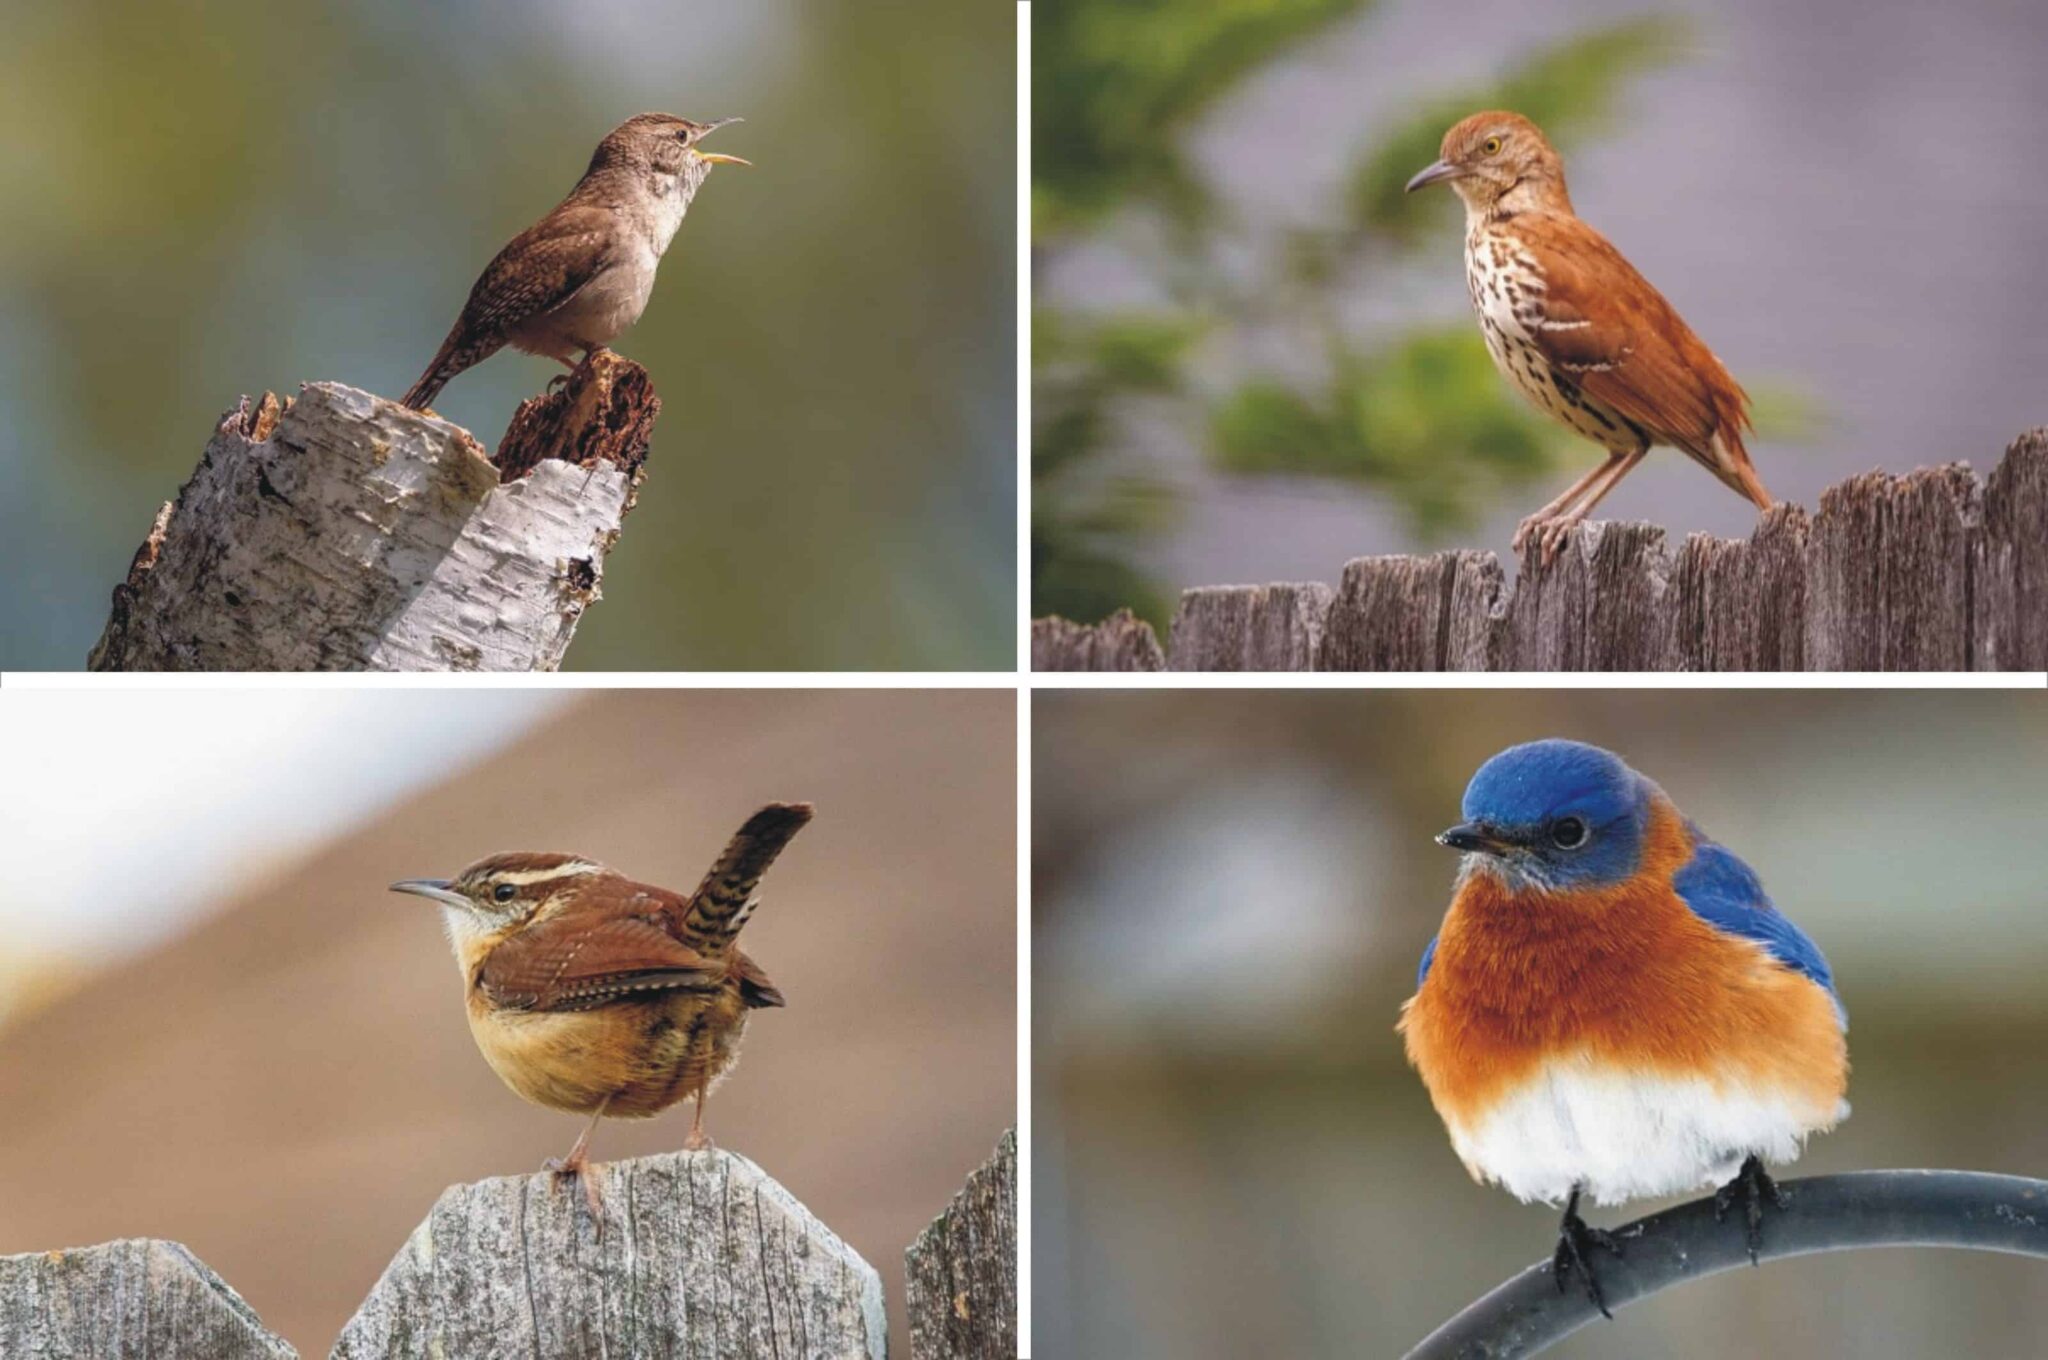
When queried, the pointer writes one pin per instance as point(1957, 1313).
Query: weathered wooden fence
point(1933, 571)
point(698, 1254)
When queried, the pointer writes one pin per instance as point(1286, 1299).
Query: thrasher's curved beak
point(1435, 173)
point(435, 888)
point(1472, 836)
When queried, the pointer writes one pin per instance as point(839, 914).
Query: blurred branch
point(1970, 1209)
point(344, 532)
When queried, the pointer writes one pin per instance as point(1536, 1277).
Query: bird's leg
point(1556, 529)
point(1562, 503)
point(577, 1164)
point(698, 1141)
point(1754, 1183)
point(1574, 1241)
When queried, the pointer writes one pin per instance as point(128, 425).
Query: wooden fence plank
point(139, 1298)
point(961, 1273)
point(1249, 628)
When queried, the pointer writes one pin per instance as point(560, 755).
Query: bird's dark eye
point(1568, 833)
point(1490, 146)
point(504, 892)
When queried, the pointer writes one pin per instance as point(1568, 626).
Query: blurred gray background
point(205, 198)
point(1231, 890)
point(1836, 196)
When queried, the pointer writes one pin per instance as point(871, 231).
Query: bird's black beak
point(1435, 173)
point(436, 889)
point(1472, 836)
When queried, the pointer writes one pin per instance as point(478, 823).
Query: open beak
point(1435, 173)
point(714, 157)
point(1472, 836)
point(434, 888)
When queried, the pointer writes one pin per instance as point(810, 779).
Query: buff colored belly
point(635, 1059)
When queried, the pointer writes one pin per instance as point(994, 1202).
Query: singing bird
point(574, 280)
point(591, 993)
point(1576, 330)
point(1613, 1007)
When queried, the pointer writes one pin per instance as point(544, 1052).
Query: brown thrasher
point(590, 993)
point(578, 277)
point(1576, 330)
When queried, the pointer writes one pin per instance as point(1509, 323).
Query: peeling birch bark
point(342, 531)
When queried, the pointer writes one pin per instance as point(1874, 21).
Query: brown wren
point(581, 275)
point(590, 993)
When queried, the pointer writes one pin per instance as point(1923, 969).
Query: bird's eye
point(504, 892)
point(1490, 146)
point(1568, 833)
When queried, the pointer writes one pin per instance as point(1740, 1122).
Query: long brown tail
point(455, 355)
point(725, 899)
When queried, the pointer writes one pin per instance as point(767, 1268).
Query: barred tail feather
point(452, 358)
point(725, 899)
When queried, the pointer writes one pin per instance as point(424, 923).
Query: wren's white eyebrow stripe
point(573, 868)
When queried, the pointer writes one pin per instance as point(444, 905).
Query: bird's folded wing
point(542, 268)
point(755, 988)
point(1606, 327)
point(1726, 893)
point(573, 963)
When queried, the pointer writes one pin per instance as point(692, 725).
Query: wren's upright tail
point(457, 353)
point(725, 899)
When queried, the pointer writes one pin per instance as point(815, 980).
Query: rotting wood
point(1932, 571)
point(342, 531)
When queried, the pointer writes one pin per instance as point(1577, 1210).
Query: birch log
point(145, 1299)
point(1932, 571)
point(699, 1254)
point(961, 1273)
point(342, 531)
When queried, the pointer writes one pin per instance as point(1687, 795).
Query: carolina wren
point(591, 993)
point(578, 277)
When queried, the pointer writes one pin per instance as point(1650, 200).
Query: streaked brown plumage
point(591, 993)
point(1576, 330)
point(578, 277)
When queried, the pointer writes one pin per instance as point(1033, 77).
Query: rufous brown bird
point(574, 280)
point(590, 993)
point(1576, 330)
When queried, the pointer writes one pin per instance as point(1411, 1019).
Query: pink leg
point(577, 1164)
point(1563, 502)
point(1555, 531)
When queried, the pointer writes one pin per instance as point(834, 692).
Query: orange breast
point(634, 1058)
point(1626, 976)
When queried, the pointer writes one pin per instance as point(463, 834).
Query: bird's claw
point(1575, 1242)
point(1754, 1184)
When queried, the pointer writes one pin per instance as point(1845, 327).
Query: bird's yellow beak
point(718, 158)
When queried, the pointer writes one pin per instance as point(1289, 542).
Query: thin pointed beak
point(1472, 836)
point(1435, 173)
point(434, 888)
point(717, 158)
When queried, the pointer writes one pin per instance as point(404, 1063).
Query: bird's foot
point(1754, 1184)
point(1575, 1243)
point(698, 1141)
point(577, 1166)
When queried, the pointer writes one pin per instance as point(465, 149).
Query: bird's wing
point(542, 268)
point(755, 988)
point(580, 960)
point(1604, 325)
point(723, 901)
point(1726, 894)
point(1428, 957)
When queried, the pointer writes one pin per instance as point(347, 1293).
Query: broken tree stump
point(343, 532)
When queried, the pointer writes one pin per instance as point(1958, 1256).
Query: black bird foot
point(1753, 1183)
point(1575, 1243)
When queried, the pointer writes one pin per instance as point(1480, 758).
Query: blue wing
point(1428, 957)
point(1727, 895)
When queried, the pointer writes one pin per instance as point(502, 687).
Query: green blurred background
point(1230, 893)
point(204, 198)
point(1253, 355)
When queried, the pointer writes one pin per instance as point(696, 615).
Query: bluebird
point(1613, 1007)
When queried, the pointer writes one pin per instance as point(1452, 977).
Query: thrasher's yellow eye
point(1490, 145)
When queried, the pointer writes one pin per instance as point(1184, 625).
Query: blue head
point(1554, 814)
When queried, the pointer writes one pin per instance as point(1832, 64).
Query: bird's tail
point(452, 358)
point(1731, 464)
point(725, 899)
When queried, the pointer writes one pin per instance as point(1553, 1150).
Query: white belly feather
point(1626, 1137)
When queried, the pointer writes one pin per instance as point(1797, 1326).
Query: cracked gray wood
point(341, 531)
point(1932, 571)
point(700, 1255)
point(961, 1273)
point(140, 1298)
